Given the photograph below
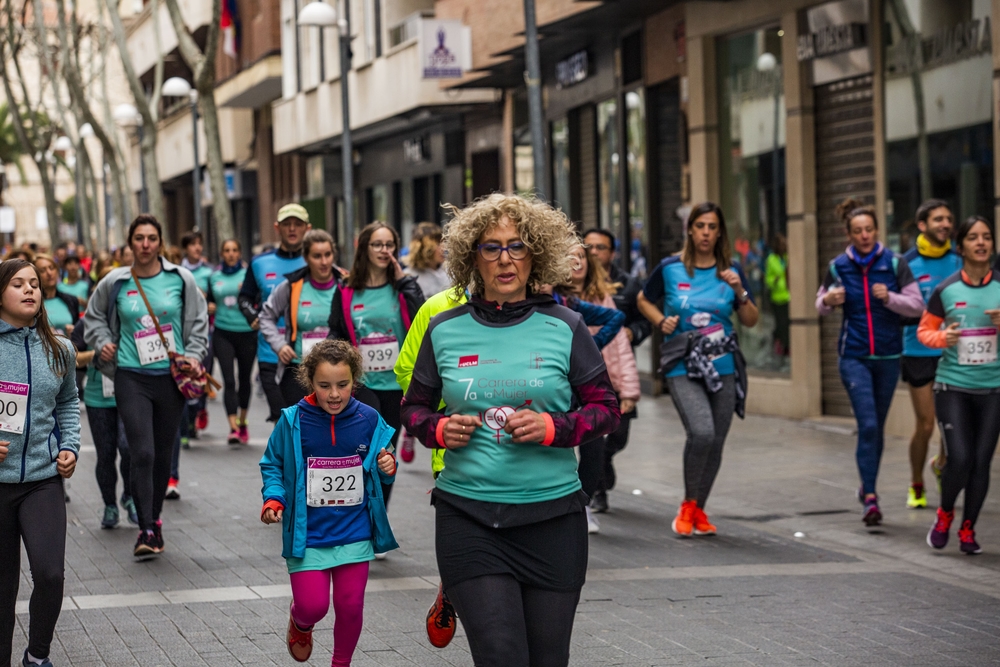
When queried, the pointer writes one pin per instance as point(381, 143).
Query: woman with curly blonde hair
point(509, 366)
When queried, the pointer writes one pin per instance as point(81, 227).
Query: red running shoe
point(937, 536)
point(201, 421)
point(441, 620)
point(683, 523)
point(967, 539)
point(300, 642)
point(406, 451)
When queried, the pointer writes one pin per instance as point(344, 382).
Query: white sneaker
point(593, 526)
point(380, 556)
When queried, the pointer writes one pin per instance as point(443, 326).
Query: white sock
point(33, 659)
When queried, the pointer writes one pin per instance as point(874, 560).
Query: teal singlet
point(312, 316)
point(225, 287)
point(165, 293)
point(378, 327)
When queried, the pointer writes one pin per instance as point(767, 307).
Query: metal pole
point(77, 184)
point(196, 169)
point(143, 194)
point(533, 79)
point(347, 148)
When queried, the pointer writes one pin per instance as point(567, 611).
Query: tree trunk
point(51, 203)
point(222, 212)
point(148, 149)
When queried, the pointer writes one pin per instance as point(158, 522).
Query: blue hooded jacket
point(283, 471)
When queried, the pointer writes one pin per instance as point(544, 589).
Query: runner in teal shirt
point(75, 284)
point(140, 348)
point(61, 310)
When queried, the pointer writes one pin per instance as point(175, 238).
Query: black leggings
point(272, 392)
point(36, 513)
point(150, 407)
point(596, 471)
point(511, 625)
point(970, 426)
point(240, 346)
point(109, 441)
point(389, 401)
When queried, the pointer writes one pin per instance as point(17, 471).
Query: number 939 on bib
point(337, 482)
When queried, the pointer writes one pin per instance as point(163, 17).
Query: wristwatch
point(743, 297)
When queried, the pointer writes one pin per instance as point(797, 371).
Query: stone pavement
point(838, 594)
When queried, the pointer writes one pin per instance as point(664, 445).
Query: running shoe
point(172, 492)
point(967, 540)
point(599, 503)
point(916, 496)
point(201, 421)
point(186, 442)
point(26, 662)
point(937, 467)
point(441, 620)
point(300, 642)
point(158, 544)
point(937, 536)
point(129, 506)
point(146, 544)
point(244, 434)
point(234, 437)
point(702, 526)
point(110, 519)
point(407, 452)
point(872, 515)
point(683, 523)
point(593, 525)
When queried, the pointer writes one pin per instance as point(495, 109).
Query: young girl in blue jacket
point(319, 469)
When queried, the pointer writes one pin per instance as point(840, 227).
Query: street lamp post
point(128, 116)
point(533, 80)
point(322, 15)
point(178, 87)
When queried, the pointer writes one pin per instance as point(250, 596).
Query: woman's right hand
point(835, 297)
point(669, 324)
point(4, 446)
point(952, 334)
point(286, 354)
point(108, 352)
point(270, 516)
point(458, 430)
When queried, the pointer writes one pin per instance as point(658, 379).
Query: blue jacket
point(283, 471)
point(869, 328)
point(52, 422)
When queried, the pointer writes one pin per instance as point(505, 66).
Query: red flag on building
point(227, 23)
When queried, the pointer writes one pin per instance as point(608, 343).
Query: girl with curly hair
point(509, 366)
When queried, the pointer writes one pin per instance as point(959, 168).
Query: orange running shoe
point(441, 620)
point(300, 642)
point(702, 526)
point(683, 523)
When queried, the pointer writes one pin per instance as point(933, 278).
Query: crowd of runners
point(505, 344)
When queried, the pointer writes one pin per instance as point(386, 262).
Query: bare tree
point(202, 65)
point(32, 126)
point(148, 107)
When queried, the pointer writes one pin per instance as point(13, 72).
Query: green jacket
point(776, 277)
point(407, 358)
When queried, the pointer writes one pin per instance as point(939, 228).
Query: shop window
point(938, 110)
point(377, 203)
point(561, 195)
point(609, 204)
point(752, 183)
point(635, 163)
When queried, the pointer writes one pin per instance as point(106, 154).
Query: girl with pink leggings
point(335, 444)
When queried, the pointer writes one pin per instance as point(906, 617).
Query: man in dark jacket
point(601, 245)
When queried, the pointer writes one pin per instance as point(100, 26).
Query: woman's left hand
point(733, 280)
point(880, 292)
point(397, 270)
point(66, 464)
point(526, 426)
point(386, 463)
point(994, 314)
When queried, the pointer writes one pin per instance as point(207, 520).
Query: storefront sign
point(571, 71)
point(831, 40)
point(445, 49)
point(416, 150)
point(950, 44)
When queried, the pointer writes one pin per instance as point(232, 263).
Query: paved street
point(755, 594)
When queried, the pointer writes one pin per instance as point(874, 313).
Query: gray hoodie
point(52, 421)
point(102, 325)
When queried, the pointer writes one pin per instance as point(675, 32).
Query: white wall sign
point(41, 218)
point(445, 49)
point(8, 223)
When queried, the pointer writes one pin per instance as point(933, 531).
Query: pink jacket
point(620, 361)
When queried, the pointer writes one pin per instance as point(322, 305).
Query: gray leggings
point(706, 418)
